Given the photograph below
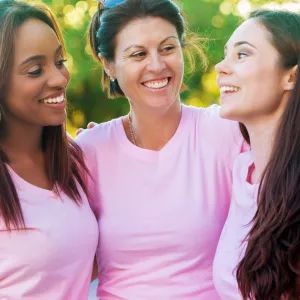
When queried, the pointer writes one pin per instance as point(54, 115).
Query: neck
point(262, 134)
point(153, 128)
point(21, 142)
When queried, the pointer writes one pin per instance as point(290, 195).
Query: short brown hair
point(106, 23)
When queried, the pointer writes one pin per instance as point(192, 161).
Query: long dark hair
point(106, 23)
point(64, 159)
point(270, 267)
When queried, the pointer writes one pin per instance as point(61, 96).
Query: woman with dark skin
point(48, 233)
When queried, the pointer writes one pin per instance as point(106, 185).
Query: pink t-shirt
point(231, 247)
point(160, 213)
point(53, 258)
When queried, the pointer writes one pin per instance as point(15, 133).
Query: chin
point(224, 112)
point(159, 103)
point(57, 122)
point(228, 113)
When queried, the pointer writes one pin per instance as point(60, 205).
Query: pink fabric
point(231, 247)
point(52, 259)
point(160, 213)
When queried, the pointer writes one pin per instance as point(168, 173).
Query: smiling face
point(148, 63)
point(251, 79)
point(35, 92)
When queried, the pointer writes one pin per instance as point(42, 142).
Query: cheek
point(180, 70)
point(128, 76)
point(257, 83)
point(65, 72)
point(22, 96)
point(179, 75)
point(263, 92)
point(22, 90)
point(258, 76)
point(125, 81)
point(176, 62)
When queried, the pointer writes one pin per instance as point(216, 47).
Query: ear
point(291, 78)
point(108, 67)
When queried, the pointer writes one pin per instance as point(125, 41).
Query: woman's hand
point(89, 126)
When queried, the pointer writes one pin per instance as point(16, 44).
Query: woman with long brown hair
point(48, 233)
point(258, 254)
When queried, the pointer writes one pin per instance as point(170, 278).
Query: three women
point(162, 174)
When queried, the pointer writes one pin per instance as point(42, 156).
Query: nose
point(156, 63)
point(223, 67)
point(58, 78)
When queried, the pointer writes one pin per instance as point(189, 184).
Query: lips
point(57, 97)
point(157, 83)
point(228, 89)
point(55, 100)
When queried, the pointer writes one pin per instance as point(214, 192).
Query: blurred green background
point(212, 19)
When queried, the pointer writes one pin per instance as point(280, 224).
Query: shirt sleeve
point(85, 141)
point(222, 136)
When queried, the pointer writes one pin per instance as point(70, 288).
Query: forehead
point(253, 32)
point(34, 37)
point(145, 32)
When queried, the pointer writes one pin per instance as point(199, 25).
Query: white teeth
point(59, 99)
point(224, 89)
point(156, 84)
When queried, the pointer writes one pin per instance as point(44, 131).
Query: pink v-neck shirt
point(231, 247)
point(160, 213)
point(53, 258)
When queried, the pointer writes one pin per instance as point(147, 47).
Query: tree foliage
point(213, 19)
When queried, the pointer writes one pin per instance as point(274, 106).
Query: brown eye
point(36, 72)
point(168, 49)
point(242, 55)
point(61, 63)
point(139, 54)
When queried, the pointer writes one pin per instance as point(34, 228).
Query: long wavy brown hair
point(270, 269)
point(64, 159)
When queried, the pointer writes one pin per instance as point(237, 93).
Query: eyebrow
point(241, 43)
point(39, 57)
point(139, 46)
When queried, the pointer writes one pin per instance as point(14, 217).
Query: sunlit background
point(212, 19)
